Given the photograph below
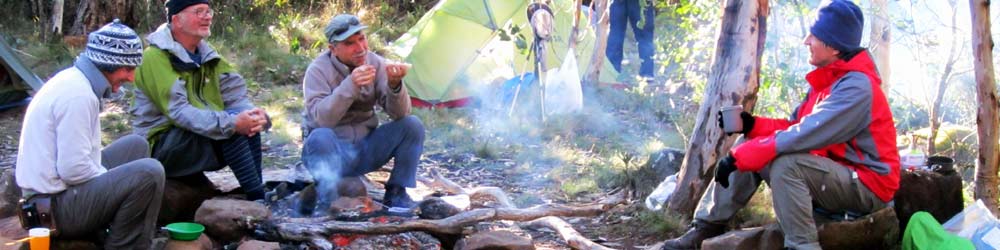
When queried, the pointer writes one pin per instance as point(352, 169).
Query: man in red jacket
point(834, 158)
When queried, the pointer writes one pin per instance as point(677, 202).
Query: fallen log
point(476, 193)
point(573, 238)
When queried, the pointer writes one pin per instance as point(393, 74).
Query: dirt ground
point(619, 228)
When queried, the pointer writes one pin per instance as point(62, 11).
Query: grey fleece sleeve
point(213, 124)
point(835, 119)
point(327, 103)
point(234, 93)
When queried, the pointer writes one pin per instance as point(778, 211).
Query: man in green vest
point(192, 105)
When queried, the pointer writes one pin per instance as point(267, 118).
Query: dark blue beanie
point(839, 25)
point(176, 6)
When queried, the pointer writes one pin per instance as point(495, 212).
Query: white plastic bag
point(976, 223)
point(662, 192)
point(563, 93)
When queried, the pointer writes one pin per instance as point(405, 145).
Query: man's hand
point(250, 122)
point(363, 75)
point(395, 73)
point(723, 168)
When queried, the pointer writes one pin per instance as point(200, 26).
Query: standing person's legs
point(127, 198)
point(616, 33)
point(799, 180)
point(238, 153)
point(126, 149)
point(402, 140)
point(642, 20)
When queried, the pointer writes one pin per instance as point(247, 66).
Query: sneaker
point(396, 196)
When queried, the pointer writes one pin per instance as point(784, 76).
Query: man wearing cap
point(342, 86)
point(60, 157)
point(834, 159)
point(193, 106)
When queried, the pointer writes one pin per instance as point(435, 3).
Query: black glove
point(723, 168)
point(747, 118)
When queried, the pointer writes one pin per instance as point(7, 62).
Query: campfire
point(351, 219)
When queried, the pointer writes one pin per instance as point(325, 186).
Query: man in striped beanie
point(114, 191)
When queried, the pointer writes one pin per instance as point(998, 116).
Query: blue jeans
point(628, 12)
point(329, 158)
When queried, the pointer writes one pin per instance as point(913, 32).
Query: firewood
point(284, 229)
point(573, 238)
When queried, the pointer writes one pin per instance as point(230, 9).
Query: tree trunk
point(92, 14)
point(881, 39)
point(734, 80)
point(986, 116)
point(57, 17)
point(949, 67)
point(40, 12)
point(601, 26)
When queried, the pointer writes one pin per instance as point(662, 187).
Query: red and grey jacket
point(845, 117)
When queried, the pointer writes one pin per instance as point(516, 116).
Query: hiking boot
point(396, 196)
point(697, 232)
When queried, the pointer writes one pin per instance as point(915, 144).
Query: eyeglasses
point(206, 12)
point(342, 27)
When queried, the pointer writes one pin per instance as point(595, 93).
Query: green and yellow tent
point(460, 47)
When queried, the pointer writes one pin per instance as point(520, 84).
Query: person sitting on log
point(834, 157)
point(69, 183)
point(342, 88)
point(193, 106)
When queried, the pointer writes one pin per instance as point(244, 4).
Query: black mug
point(941, 164)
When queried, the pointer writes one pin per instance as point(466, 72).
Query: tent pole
point(517, 90)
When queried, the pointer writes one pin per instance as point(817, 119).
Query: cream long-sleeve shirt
point(60, 143)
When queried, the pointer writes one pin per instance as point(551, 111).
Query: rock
point(159, 243)
point(768, 237)
point(434, 208)
point(11, 193)
point(259, 245)
point(666, 162)
point(879, 230)
point(660, 165)
point(221, 217)
point(202, 243)
point(10, 227)
point(940, 195)
point(182, 196)
point(351, 187)
point(495, 240)
point(226, 182)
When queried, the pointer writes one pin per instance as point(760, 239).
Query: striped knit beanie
point(114, 45)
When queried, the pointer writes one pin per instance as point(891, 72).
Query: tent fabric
point(15, 78)
point(457, 51)
point(924, 232)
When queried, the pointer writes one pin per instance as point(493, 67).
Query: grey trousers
point(797, 181)
point(125, 200)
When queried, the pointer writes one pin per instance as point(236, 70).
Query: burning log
point(299, 231)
